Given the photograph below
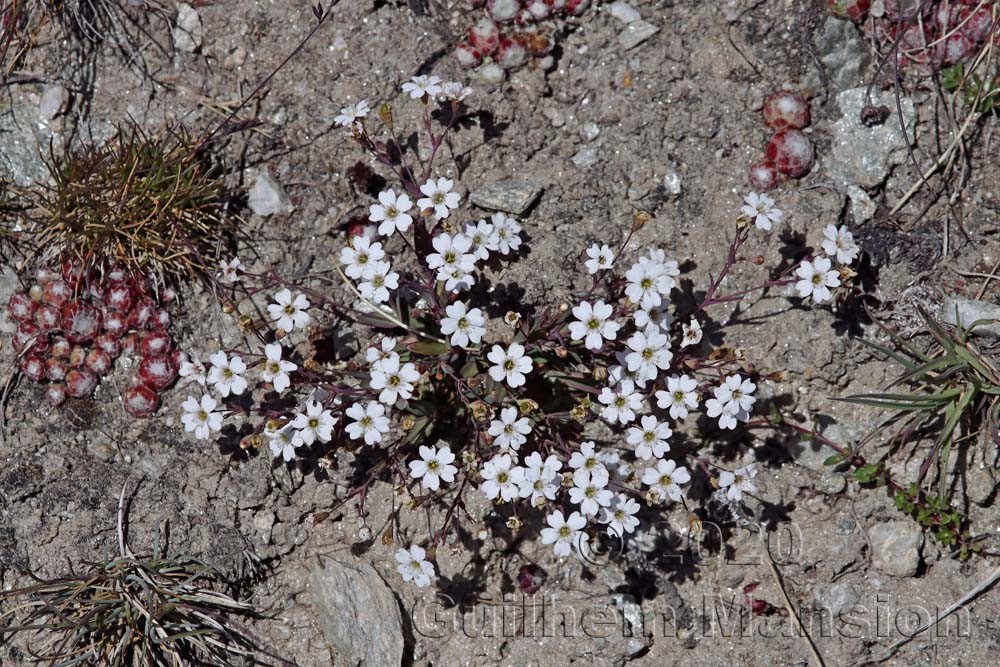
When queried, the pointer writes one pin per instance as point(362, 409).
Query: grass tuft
point(131, 611)
point(151, 204)
point(952, 395)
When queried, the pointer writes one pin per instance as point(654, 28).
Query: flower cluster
point(226, 378)
point(567, 409)
point(817, 276)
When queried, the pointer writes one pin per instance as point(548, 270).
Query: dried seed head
point(527, 406)
point(639, 220)
point(385, 114)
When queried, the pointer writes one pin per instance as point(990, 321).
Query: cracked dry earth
point(668, 126)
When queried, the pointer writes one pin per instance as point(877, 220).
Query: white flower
point(275, 370)
point(601, 257)
point(379, 278)
point(283, 442)
point(370, 422)
point(390, 212)
point(816, 278)
point(394, 381)
point(651, 440)
point(506, 236)
point(666, 479)
point(659, 316)
point(500, 479)
point(589, 491)
point(456, 279)
point(351, 113)
point(509, 432)
point(454, 91)
point(510, 365)
point(230, 272)
point(192, 370)
point(587, 458)
point(648, 281)
point(650, 353)
point(200, 416)
point(287, 313)
point(452, 252)
point(418, 86)
point(692, 333)
point(226, 374)
point(564, 533)
point(760, 209)
point(439, 197)
point(680, 396)
point(738, 481)
point(540, 479)
point(435, 466)
point(386, 350)
point(620, 515)
point(620, 402)
point(316, 424)
point(413, 566)
point(839, 242)
point(732, 401)
point(463, 325)
point(361, 252)
point(479, 234)
point(593, 324)
point(619, 371)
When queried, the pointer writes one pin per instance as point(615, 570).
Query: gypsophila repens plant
point(457, 396)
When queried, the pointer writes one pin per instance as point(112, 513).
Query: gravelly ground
point(679, 107)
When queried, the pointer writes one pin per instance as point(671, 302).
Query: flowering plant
point(567, 409)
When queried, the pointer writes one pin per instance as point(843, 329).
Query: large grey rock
point(586, 157)
point(976, 471)
point(862, 206)
point(358, 612)
point(960, 312)
point(22, 144)
point(624, 12)
point(188, 30)
point(55, 100)
point(636, 33)
point(897, 547)
point(813, 453)
point(510, 196)
point(267, 197)
point(844, 54)
point(863, 155)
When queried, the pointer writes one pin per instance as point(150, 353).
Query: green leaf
point(866, 474)
point(951, 77)
point(833, 460)
point(469, 370)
